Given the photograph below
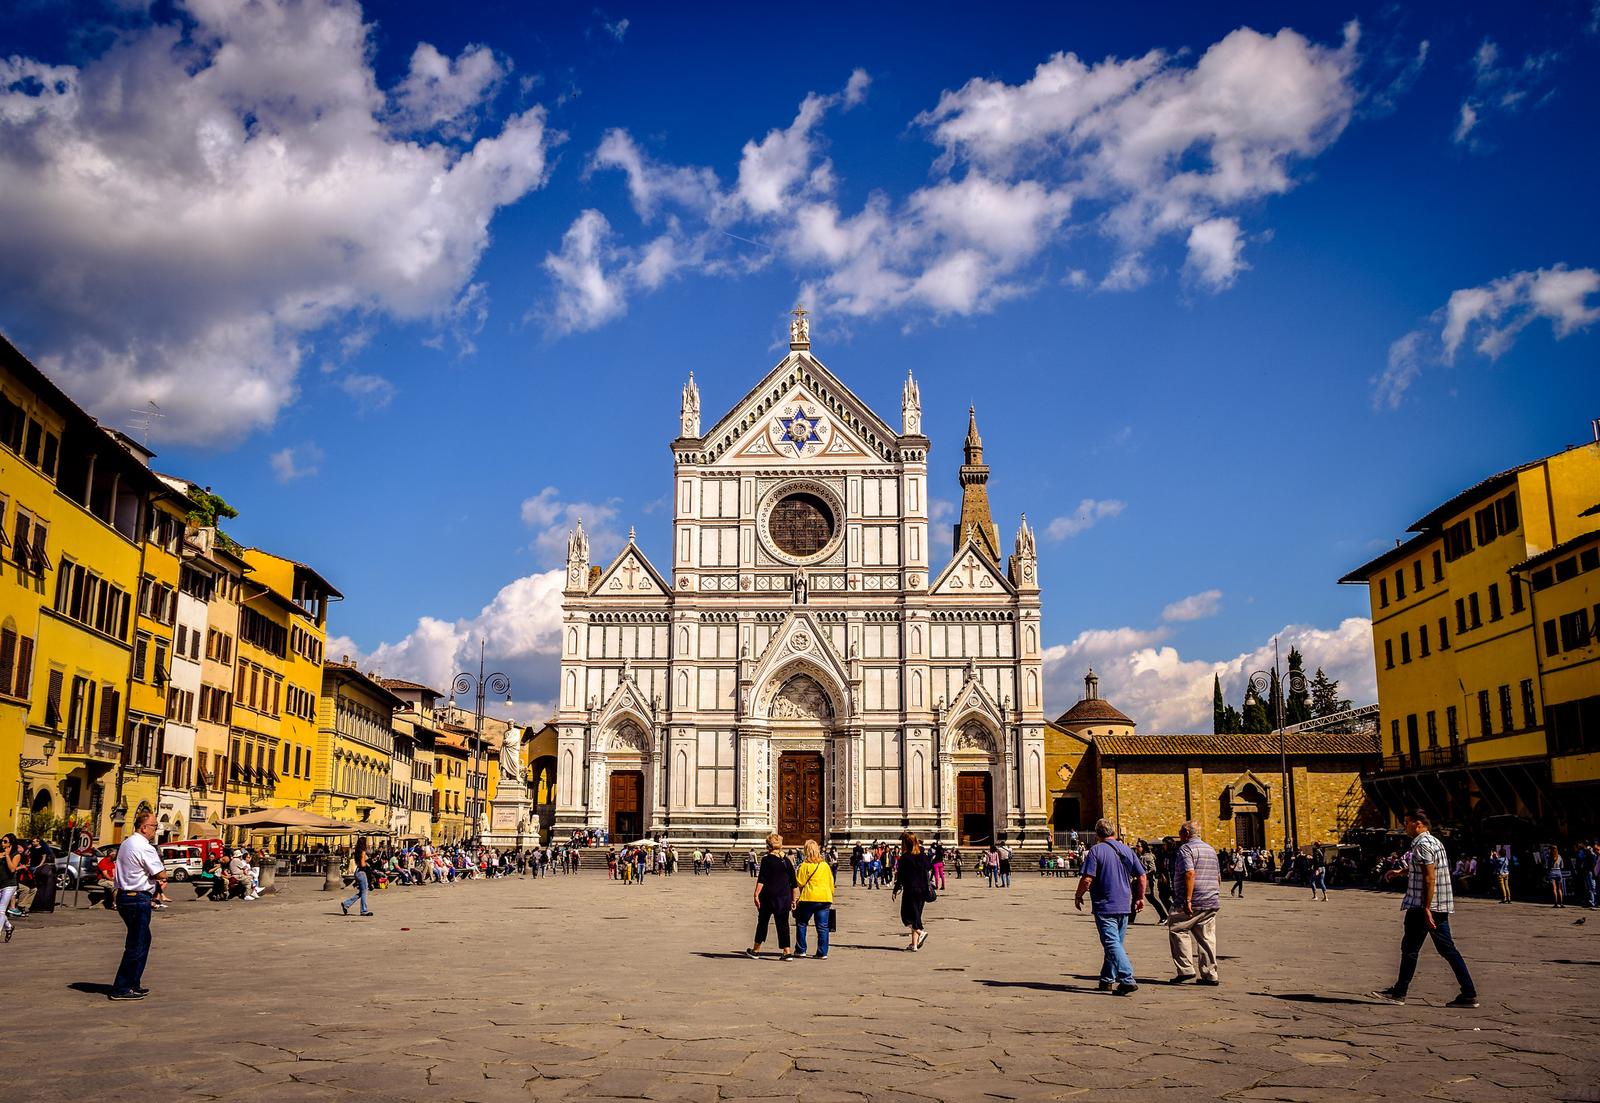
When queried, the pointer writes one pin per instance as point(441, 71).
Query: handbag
point(833, 918)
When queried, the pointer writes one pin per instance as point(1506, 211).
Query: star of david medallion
point(799, 429)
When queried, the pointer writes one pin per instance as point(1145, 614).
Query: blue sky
point(1236, 299)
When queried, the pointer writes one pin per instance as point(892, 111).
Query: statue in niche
point(627, 737)
point(974, 736)
point(801, 698)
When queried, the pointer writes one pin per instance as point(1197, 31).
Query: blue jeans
point(1589, 889)
point(1116, 966)
point(1418, 932)
point(134, 907)
point(804, 912)
point(361, 892)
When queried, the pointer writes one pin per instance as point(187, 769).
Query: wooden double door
point(627, 806)
point(800, 797)
point(975, 808)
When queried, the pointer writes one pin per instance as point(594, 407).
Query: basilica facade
point(796, 661)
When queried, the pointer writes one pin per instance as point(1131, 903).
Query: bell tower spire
point(975, 516)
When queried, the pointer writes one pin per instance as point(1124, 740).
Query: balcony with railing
point(1424, 758)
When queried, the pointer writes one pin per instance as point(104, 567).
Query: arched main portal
point(802, 717)
point(972, 759)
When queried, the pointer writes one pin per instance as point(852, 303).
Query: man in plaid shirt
point(1428, 903)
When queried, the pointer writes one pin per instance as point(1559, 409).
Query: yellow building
point(214, 718)
point(1457, 646)
point(451, 755)
point(1071, 780)
point(277, 685)
point(1564, 601)
point(74, 504)
point(357, 732)
point(413, 729)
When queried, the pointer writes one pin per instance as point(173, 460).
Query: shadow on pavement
point(718, 953)
point(1036, 985)
point(1570, 961)
point(1312, 997)
point(91, 988)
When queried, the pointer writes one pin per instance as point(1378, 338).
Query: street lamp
point(1270, 683)
point(480, 683)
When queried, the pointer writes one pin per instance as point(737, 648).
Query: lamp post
point(1270, 683)
point(480, 683)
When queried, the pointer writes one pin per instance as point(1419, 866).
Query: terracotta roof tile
point(1297, 743)
point(1098, 709)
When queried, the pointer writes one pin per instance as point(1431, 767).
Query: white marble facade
point(796, 661)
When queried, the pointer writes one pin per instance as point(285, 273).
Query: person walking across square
point(814, 879)
point(140, 873)
point(1428, 903)
point(774, 896)
point(1115, 882)
point(1197, 897)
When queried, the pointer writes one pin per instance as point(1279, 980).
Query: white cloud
point(586, 296)
point(553, 519)
point(175, 228)
point(1089, 513)
point(1498, 90)
point(448, 95)
point(616, 29)
point(1207, 603)
point(1164, 692)
point(1214, 249)
point(521, 630)
point(1150, 148)
point(296, 462)
point(1489, 318)
point(855, 89)
point(371, 392)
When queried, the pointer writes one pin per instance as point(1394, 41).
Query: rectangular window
point(141, 649)
point(1438, 566)
point(1394, 732)
point(1433, 729)
point(1517, 583)
point(1472, 609)
point(1452, 729)
point(1457, 540)
point(1405, 647)
point(1388, 654)
point(1422, 640)
point(1551, 647)
point(1530, 714)
point(1574, 630)
point(1461, 616)
point(1383, 593)
point(1399, 583)
point(1507, 723)
point(1494, 601)
point(1485, 718)
point(1506, 513)
point(1444, 633)
point(1416, 575)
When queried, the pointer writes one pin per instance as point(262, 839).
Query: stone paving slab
point(582, 988)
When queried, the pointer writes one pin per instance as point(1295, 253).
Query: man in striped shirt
point(1428, 903)
point(1196, 898)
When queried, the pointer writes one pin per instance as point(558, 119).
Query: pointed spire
point(1025, 544)
point(910, 406)
point(689, 409)
point(974, 477)
point(630, 534)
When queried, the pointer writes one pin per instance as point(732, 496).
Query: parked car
point(182, 862)
point(80, 866)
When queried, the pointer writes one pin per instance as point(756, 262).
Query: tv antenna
point(143, 418)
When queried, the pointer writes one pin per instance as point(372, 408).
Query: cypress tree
point(1217, 707)
point(1298, 708)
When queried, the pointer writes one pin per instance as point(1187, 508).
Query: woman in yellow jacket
point(814, 879)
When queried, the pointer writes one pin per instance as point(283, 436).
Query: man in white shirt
point(139, 875)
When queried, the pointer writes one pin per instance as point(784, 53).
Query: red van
point(209, 848)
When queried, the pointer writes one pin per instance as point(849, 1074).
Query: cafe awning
point(270, 819)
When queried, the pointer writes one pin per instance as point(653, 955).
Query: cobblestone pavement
point(576, 987)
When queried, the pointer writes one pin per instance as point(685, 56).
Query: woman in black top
point(774, 895)
point(10, 861)
point(911, 885)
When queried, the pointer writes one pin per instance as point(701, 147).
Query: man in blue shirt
point(1114, 879)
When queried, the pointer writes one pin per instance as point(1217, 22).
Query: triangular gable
point(627, 700)
point(801, 644)
point(853, 424)
point(630, 575)
point(970, 572)
point(797, 428)
point(973, 699)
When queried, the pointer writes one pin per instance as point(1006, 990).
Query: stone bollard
point(269, 875)
point(333, 876)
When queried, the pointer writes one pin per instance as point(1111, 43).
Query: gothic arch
point(680, 780)
point(975, 733)
point(820, 704)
